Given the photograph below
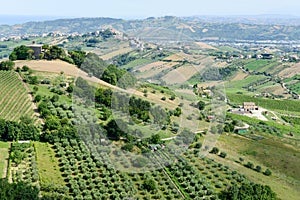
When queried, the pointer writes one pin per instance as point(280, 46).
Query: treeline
point(293, 120)
point(20, 190)
point(215, 74)
point(11, 131)
point(90, 63)
point(49, 53)
point(249, 191)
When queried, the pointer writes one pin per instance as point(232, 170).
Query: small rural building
point(37, 49)
point(241, 130)
point(249, 106)
point(267, 56)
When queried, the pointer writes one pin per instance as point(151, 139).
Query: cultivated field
point(160, 65)
point(239, 76)
point(181, 74)
point(116, 53)
point(58, 66)
point(290, 71)
point(205, 46)
point(4, 148)
point(15, 101)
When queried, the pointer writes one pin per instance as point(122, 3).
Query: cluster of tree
point(293, 120)
point(48, 52)
point(7, 65)
point(249, 191)
point(21, 53)
point(11, 131)
point(95, 66)
point(20, 190)
point(78, 57)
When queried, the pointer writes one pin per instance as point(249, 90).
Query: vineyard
point(14, 98)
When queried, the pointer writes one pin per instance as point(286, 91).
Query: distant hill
point(171, 28)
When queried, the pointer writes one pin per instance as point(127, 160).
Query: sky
point(129, 9)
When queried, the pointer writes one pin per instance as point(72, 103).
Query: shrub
point(223, 154)
point(249, 165)
point(214, 150)
point(268, 172)
point(258, 168)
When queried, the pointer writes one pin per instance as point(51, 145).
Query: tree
point(38, 98)
point(55, 98)
point(268, 172)
point(52, 123)
point(25, 68)
point(149, 184)
point(172, 97)
point(214, 150)
point(155, 139)
point(128, 147)
point(229, 128)
point(26, 119)
point(198, 145)
point(78, 57)
point(249, 191)
point(18, 190)
point(223, 154)
point(21, 53)
point(177, 112)
point(33, 80)
point(249, 165)
point(258, 168)
point(7, 65)
point(201, 105)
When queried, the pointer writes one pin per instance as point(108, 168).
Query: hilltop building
point(37, 49)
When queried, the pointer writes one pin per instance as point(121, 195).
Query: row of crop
point(87, 177)
point(218, 175)
point(14, 99)
point(23, 164)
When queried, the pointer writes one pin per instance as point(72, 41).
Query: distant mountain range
point(173, 28)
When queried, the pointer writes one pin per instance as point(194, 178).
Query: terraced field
point(14, 98)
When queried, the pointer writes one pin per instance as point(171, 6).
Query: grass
point(270, 153)
point(257, 64)
point(47, 164)
point(284, 129)
point(44, 91)
point(4, 147)
point(286, 105)
point(245, 82)
point(137, 63)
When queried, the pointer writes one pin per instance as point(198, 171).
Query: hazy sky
point(147, 8)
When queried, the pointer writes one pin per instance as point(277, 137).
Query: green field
point(137, 63)
point(281, 105)
point(4, 148)
point(271, 152)
point(256, 64)
point(48, 165)
point(14, 98)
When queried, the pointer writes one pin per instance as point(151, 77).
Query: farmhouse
point(37, 49)
point(249, 106)
point(267, 56)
